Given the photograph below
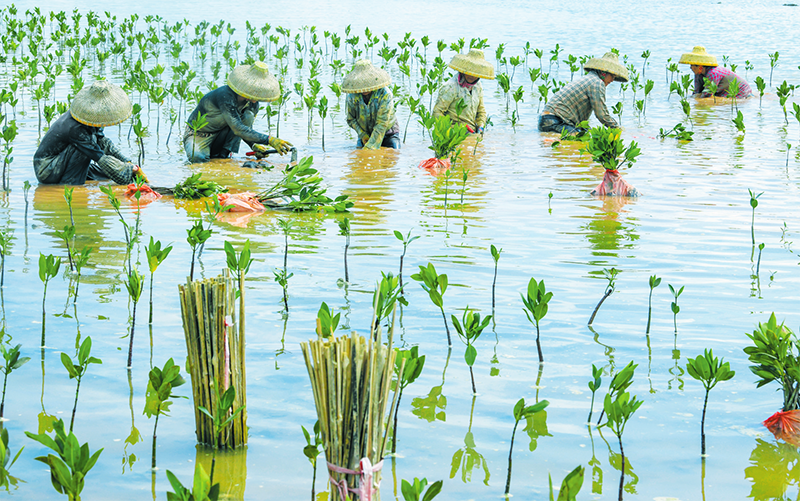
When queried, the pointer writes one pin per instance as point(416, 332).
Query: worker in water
point(704, 66)
point(75, 148)
point(229, 112)
point(369, 107)
point(575, 102)
point(461, 98)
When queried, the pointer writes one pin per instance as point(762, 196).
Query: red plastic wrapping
point(785, 426)
point(148, 195)
point(614, 185)
point(435, 165)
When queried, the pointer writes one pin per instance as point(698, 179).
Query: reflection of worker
point(370, 111)
point(575, 102)
point(229, 112)
point(75, 148)
point(465, 86)
point(704, 65)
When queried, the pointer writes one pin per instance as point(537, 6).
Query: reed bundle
point(351, 380)
point(215, 348)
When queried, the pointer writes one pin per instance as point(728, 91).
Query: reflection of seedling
point(594, 385)
point(654, 282)
point(435, 285)
point(709, 370)
point(159, 392)
point(739, 121)
point(611, 276)
point(469, 330)
point(222, 417)
point(135, 285)
point(202, 487)
point(536, 302)
point(11, 362)
point(410, 372)
point(77, 371)
point(521, 412)
point(674, 304)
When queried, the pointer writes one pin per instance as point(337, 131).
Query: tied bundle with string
point(351, 378)
point(606, 148)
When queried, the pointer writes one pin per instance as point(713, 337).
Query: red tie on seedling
point(785, 425)
point(366, 471)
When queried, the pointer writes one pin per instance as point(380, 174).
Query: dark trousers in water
point(554, 123)
point(392, 141)
point(205, 145)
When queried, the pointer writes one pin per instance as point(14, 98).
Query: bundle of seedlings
point(445, 139)
point(215, 346)
point(351, 379)
point(606, 148)
point(300, 190)
point(193, 187)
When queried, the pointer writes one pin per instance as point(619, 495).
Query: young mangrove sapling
point(159, 392)
point(536, 304)
point(202, 487)
point(196, 237)
point(135, 285)
point(406, 242)
point(496, 257)
point(11, 362)
point(77, 371)
point(327, 321)
point(674, 304)
point(654, 282)
point(416, 491)
point(709, 370)
point(344, 229)
point(155, 256)
point(594, 385)
point(80, 259)
point(469, 330)
point(521, 412)
point(619, 383)
point(48, 268)
point(405, 373)
point(611, 276)
point(311, 451)
point(619, 411)
point(221, 418)
point(435, 285)
point(387, 293)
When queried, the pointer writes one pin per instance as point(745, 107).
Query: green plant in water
point(416, 491)
point(69, 468)
point(5, 250)
point(619, 383)
point(11, 362)
point(783, 91)
point(326, 321)
point(410, 372)
point(654, 282)
point(435, 285)
point(311, 451)
point(606, 148)
point(496, 258)
point(674, 304)
point(68, 190)
point(536, 304)
point(67, 235)
point(221, 418)
point(198, 123)
point(619, 411)
point(611, 276)
point(710, 87)
point(80, 259)
point(387, 293)
point(445, 136)
point(344, 229)
point(709, 370)
point(464, 177)
point(135, 286)
point(521, 411)
point(594, 385)
point(196, 237)
point(239, 265)
point(469, 330)
point(202, 488)
point(48, 268)
point(406, 242)
point(570, 486)
point(761, 85)
point(77, 371)
point(155, 256)
point(773, 62)
point(159, 392)
point(775, 355)
point(130, 235)
point(6, 479)
point(733, 91)
point(679, 132)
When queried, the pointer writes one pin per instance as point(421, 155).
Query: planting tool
point(270, 151)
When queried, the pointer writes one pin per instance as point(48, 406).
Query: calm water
point(691, 227)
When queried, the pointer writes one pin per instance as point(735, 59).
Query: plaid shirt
point(374, 119)
point(575, 102)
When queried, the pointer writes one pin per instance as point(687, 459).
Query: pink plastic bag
point(435, 165)
point(147, 194)
point(614, 185)
point(241, 202)
point(785, 426)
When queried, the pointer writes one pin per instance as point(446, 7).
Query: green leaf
point(470, 355)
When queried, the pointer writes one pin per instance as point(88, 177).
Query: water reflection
point(468, 458)
point(230, 470)
point(608, 230)
point(774, 467)
point(432, 407)
point(615, 460)
point(370, 176)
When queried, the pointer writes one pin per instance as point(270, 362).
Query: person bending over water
point(575, 102)
point(704, 65)
point(369, 107)
point(230, 111)
point(75, 148)
point(465, 86)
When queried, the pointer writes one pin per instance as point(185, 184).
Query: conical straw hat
point(699, 56)
point(100, 105)
point(609, 63)
point(254, 82)
point(473, 64)
point(365, 78)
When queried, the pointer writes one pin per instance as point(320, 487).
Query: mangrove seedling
point(159, 392)
point(775, 355)
point(202, 488)
point(135, 285)
point(783, 91)
point(196, 237)
point(406, 242)
point(679, 132)
point(536, 304)
point(68, 190)
point(80, 259)
point(67, 235)
point(435, 285)
point(710, 87)
point(130, 236)
point(404, 376)
point(611, 276)
point(570, 486)
point(464, 177)
point(6, 480)
point(733, 91)
point(311, 451)
point(239, 265)
point(773, 62)
point(753, 204)
point(77, 371)
point(594, 385)
point(344, 229)
point(496, 257)
point(521, 412)
point(155, 256)
point(387, 293)
point(709, 370)
point(11, 362)
point(69, 468)
point(445, 136)
point(5, 250)
point(417, 492)
point(619, 383)
point(761, 85)
point(198, 123)
point(619, 411)
point(222, 417)
point(606, 148)
point(674, 304)
point(327, 322)
point(469, 330)
point(654, 282)
point(48, 268)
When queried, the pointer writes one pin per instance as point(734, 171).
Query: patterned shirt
point(575, 102)
point(474, 115)
point(723, 78)
point(373, 119)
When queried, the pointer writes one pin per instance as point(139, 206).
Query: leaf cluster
point(159, 388)
point(606, 148)
point(521, 411)
point(301, 187)
point(202, 490)
point(470, 329)
point(193, 187)
point(445, 135)
point(709, 369)
point(326, 321)
point(434, 284)
point(536, 301)
point(775, 355)
point(77, 371)
point(416, 491)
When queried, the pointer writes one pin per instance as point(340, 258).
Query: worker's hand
point(280, 145)
point(260, 151)
point(481, 130)
point(138, 172)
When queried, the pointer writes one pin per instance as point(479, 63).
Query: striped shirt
point(575, 102)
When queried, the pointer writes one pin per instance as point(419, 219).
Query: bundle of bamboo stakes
point(351, 379)
point(215, 350)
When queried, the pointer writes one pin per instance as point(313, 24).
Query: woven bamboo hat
point(699, 56)
point(254, 82)
point(609, 63)
point(365, 78)
point(473, 64)
point(100, 105)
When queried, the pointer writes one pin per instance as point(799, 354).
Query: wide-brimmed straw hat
point(473, 64)
point(254, 82)
point(699, 56)
point(364, 77)
point(609, 63)
point(101, 104)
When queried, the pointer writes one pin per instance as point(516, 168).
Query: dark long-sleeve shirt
point(67, 131)
point(223, 111)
